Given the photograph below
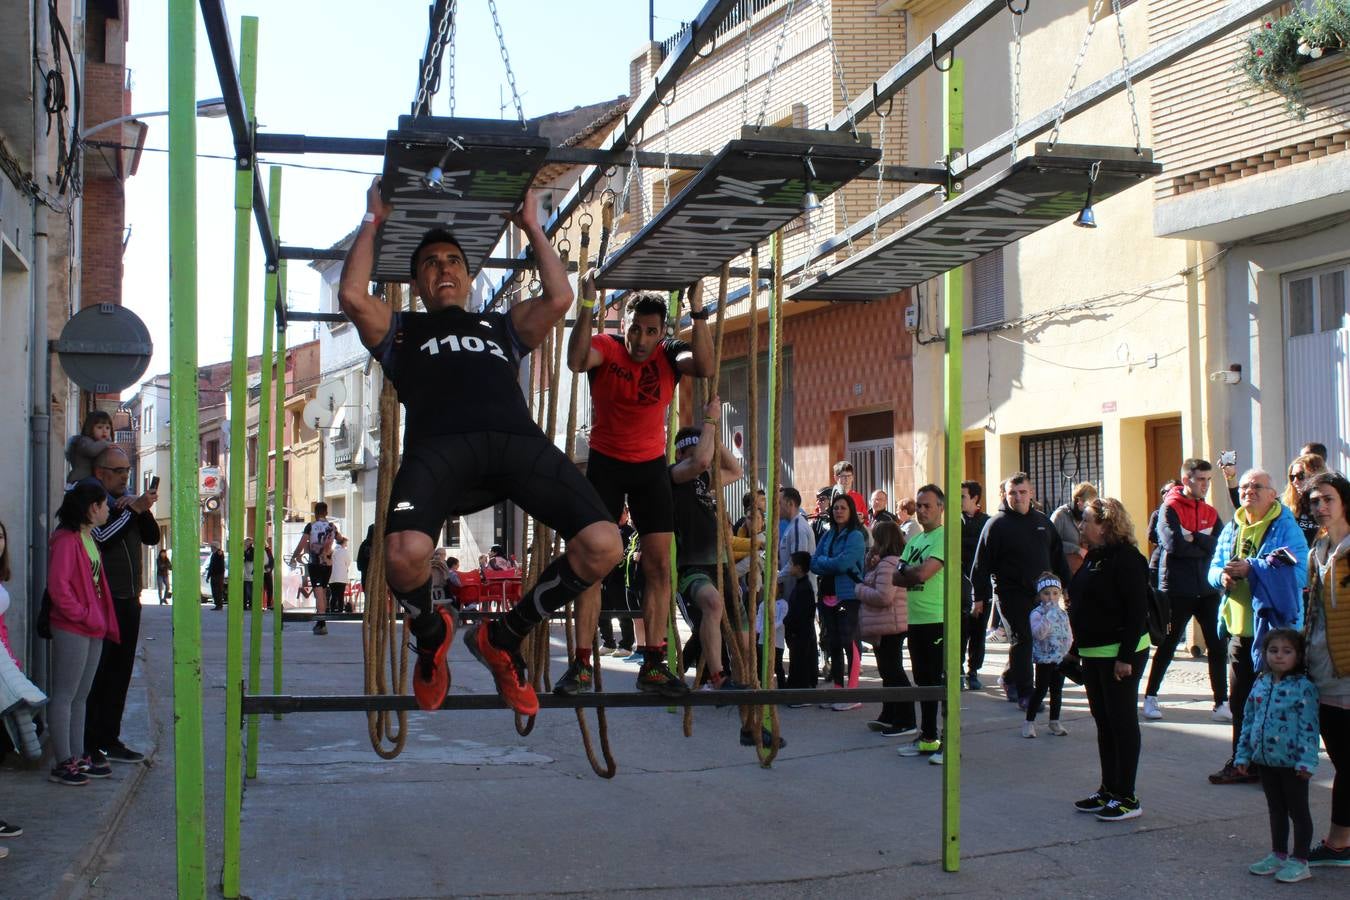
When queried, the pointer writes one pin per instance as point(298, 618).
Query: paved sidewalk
point(472, 809)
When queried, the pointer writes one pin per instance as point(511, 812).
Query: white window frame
point(1315, 277)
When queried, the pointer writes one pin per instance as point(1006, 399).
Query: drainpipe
point(40, 361)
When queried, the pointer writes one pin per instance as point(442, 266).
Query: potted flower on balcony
point(1273, 55)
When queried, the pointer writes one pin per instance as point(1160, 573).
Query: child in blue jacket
point(1279, 732)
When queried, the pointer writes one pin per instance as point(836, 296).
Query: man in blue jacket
point(1260, 565)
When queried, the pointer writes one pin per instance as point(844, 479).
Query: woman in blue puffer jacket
point(838, 561)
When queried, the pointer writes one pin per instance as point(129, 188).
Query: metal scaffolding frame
point(248, 143)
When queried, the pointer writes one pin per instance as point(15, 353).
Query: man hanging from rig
point(469, 443)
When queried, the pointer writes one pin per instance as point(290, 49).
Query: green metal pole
point(255, 619)
point(188, 761)
point(279, 477)
point(771, 482)
point(953, 293)
point(234, 640)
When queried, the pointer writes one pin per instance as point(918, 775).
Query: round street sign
point(104, 348)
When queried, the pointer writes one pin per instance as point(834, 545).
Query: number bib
point(456, 372)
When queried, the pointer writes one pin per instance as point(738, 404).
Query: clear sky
point(345, 68)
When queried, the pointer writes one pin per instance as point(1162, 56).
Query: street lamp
point(213, 108)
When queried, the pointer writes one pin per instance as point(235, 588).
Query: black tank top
point(455, 372)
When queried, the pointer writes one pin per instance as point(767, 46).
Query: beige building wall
point(1095, 330)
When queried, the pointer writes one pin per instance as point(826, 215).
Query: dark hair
point(791, 493)
point(1315, 447)
point(452, 561)
point(1294, 637)
point(825, 493)
point(748, 500)
point(435, 236)
point(1337, 482)
point(96, 417)
point(853, 520)
point(935, 491)
point(685, 432)
point(801, 559)
point(74, 510)
point(1195, 464)
point(647, 303)
point(320, 508)
point(973, 489)
point(4, 554)
point(1017, 478)
point(1171, 483)
point(887, 538)
point(907, 505)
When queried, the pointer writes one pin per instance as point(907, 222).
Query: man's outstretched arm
point(370, 315)
point(581, 356)
point(533, 318)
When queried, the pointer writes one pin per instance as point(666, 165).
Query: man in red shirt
point(632, 381)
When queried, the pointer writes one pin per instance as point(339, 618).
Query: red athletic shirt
point(630, 399)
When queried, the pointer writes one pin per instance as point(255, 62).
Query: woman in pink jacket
point(82, 616)
point(883, 621)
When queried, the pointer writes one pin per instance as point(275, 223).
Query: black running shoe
point(578, 679)
point(656, 678)
point(1093, 803)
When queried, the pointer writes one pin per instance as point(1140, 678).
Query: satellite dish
point(316, 415)
point(320, 411)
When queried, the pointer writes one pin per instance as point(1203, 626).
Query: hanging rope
point(380, 639)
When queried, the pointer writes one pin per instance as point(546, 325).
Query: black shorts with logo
point(646, 485)
point(319, 574)
point(449, 475)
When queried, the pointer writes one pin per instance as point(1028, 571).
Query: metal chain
point(1125, 73)
point(450, 51)
point(665, 162)
point(881, 169)
point(428, 70)
point(1017, 78)
point(844, 94)
point(510, 76)
point(1073, 78)
point(627, 187)
point(745, 74)
point(773, 67)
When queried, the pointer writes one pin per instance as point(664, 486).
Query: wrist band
point(709, 420)
point(371, 217)
point(700, 315)
point(588, 304)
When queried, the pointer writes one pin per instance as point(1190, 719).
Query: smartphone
point(1228, 458)
point(1283, 556)
point(154, 483)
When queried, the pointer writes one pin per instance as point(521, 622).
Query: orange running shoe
point(431, 673)
point(508, 671)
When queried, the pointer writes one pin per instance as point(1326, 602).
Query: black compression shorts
point(319, 574)
point(456, 474)
point(646, 485)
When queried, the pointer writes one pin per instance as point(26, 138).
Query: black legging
point(1286, 799)
point(973, 628)
point(843, 631)
point(1240, 681)
point(925, 655)
point(890, 650)
point(1114, 706)
point(1048, 678)
point(1335, 724)
point(1205, 609)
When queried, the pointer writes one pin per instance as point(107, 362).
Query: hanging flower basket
point(1273, 55)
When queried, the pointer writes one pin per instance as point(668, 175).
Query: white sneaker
point(1028, 729)
point(1057, 729)
point(1222, 713)
point(1151, 710)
